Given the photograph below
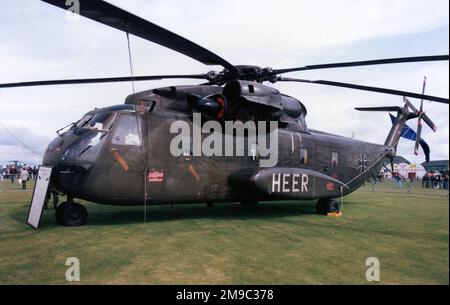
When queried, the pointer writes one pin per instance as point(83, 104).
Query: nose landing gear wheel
point(71, 214)
point(58, 213)
point(325, 206)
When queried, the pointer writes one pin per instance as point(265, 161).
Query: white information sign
point(39, 196)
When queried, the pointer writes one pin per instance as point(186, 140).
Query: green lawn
point(272, 243)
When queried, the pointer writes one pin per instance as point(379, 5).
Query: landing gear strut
point(325, 206)
point(71, 214)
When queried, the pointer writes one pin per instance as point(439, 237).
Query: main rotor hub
point(244, 72)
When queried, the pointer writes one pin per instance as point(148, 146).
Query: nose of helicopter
point(72, 155)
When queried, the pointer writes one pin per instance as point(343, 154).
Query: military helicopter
point(123, 154)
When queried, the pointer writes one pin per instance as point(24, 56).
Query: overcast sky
point(38, 42)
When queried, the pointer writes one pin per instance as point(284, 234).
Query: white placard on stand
point(39, 196)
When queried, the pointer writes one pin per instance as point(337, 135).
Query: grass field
point(272, 243)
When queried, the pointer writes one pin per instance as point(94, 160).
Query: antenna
point(130, 58)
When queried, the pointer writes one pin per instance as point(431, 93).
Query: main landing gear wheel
point(71, 214)
point(325, 206)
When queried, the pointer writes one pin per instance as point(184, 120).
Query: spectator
point(12, 173)
point(28, 168)
point(24, 177)
point(433, 181)
point(445, 182)
point(35, 172)
point(439, 181)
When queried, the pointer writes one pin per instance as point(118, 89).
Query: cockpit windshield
point(101, 121)
point(81, 123)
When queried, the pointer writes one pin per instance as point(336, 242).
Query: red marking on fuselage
point(155, 176)
point(330, 186)
point(119, 159)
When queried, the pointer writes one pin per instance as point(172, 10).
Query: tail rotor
point(401, 130)
point(421, 115)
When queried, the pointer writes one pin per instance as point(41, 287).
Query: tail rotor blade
point(422, 115)
point(425, 118)
point(424, 84)
point(419, 133)
point(429, 122)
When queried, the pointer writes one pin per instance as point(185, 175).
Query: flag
point(410, 134)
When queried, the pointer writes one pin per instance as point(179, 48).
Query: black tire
point(74, 215)
point(325, 206)
point(58, 213)
point(334, 207)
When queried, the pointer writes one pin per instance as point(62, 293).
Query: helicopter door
point(170, 178)
point(126, 159)
point(156, 157)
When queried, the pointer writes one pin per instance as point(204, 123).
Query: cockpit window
point(102, 121)
point(128, 131)
point(81, 123)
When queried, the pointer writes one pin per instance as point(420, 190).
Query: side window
point(128, 131)
point(302, 122)
point(303, 156)
point(334, 159)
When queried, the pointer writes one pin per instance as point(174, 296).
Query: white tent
point(413, 170)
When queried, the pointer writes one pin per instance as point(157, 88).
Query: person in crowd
point(24, 177)
point(12, 173)
point(30, 172)
point(35, 172)
point(48, 197)
point(423, 180)
point(439, 181)
point(1, 173)
point(445, 182)
point(433, 181)
point(399, 181)
point(25, 166)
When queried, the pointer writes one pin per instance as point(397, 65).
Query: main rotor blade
point(365, 63)
point(388, 109)
point(122, 20)
point(366, 88)
point(99, 80)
